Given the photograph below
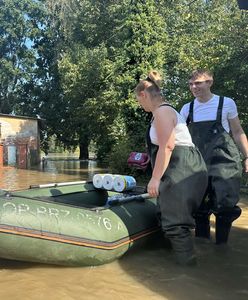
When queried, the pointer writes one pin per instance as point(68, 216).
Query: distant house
point(20, 140)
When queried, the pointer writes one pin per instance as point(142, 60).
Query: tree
point(142, 46)
point(76, 63)
point(85, 70)
point(43, 94)
point(87, 90)
point(231, 75)
point(19, 28)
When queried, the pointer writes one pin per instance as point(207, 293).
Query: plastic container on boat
point(98, 181)
point(123, 183)
point(108, 181)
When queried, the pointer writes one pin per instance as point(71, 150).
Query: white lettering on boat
point(53, 212)
point(88, 219)
point(22, 208)
point(8, 205)
point(65, 212)
point(39, 210)
point(99, 221)
point(84, 217)
point(107, 223)
point(119, 226)
point(13, 208)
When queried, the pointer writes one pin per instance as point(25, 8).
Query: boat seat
point(89, 199)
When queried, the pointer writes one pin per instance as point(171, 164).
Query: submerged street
point(148, 273)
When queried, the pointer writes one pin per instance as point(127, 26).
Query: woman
point(179, 176)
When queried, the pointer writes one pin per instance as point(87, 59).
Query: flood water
point(148, 273)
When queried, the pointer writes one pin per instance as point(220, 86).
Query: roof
point(19, 117)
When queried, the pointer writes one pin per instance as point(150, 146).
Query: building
point(20, 141)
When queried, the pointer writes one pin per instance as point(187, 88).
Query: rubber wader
point(224, 172)
point(177, 201)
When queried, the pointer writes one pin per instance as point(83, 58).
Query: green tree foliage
point(89, 94)
point(197, 30)
point(143, 44)
point(18, 31)
point(46, 95)
point(86, 74)
point(231, 75)
point(76, 63)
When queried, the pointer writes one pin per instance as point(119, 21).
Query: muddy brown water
point(147, 273)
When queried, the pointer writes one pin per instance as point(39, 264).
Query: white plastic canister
point(108, 181)
point(98, 181)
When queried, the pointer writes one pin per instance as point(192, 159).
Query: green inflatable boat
point(73, 223)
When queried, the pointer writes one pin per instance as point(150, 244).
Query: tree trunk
point(84, 149)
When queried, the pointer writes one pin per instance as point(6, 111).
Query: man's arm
point(240, 138)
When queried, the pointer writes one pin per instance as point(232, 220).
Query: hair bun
point(155, 77)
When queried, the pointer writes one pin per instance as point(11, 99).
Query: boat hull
point(72, 225)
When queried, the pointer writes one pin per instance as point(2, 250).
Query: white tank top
point(182, 135)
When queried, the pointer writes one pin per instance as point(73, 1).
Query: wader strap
point(165, 104)
point(190, 115)
point(148, 139)
point(219, 111)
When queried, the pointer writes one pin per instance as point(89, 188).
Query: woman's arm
point(164, 122)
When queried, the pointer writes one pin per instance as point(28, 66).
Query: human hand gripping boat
point(73, 223)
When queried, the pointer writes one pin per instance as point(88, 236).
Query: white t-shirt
point(207, 111)
point(182, 135)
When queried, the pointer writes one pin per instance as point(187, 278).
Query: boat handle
point(119, 200)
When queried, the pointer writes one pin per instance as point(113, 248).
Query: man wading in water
point(210, 119)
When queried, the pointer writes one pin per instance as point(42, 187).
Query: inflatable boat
point(73, 223)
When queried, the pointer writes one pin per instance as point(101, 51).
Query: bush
point(117, 159)
point(117, 162)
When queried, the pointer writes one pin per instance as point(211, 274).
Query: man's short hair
point(201, 72)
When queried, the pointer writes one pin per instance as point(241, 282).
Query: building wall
point(20, 137)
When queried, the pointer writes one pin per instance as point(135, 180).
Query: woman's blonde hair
point(151, 84)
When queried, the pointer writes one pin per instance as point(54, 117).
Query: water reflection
point(85, 169)
point(52, 169)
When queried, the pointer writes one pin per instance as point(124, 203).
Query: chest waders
point(224, 172)
point(181, 190)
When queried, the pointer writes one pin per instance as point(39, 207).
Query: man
point(210, 119)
